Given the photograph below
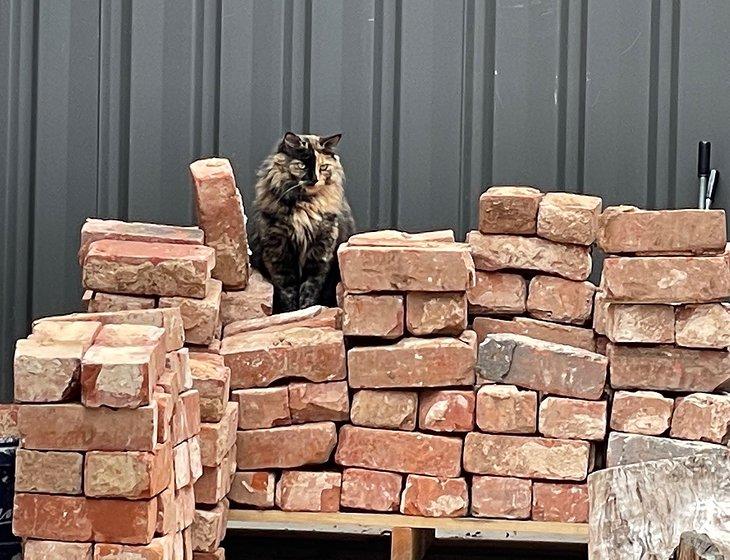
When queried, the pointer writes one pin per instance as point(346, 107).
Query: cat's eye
point(324, 167)
point(300, 165)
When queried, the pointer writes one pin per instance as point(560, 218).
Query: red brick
point(542, 330)
point(212, 380)
point(316, 316)
point(196, 458)
point(526, 457)
point(427, 496)
point(309, 491)
point(217, 438)
point(557, 299)
point(161, 548)
point(703, 326)
point(645, 323)
point(371, 490)
point(209, 527)
point(186, 417)
point(318, 402)
point(253, 302)
point(254, 488)
point(501, 497)
point(393, 238)
point(82, 332)
point(9, 421)
point(118, 336)
point(219, 208)
point(48, 472)
point(561, 503)
point(286, 447)
point(702, 417)
point(506, 409)
point(200, 316)
point(100, 302)
point(600, 311)
point(183, 472)
point(573, 419)
point(414, 362)
point(57, 550)
point(436, 313)
point(262, 408)
point(500, 293)
point(446, 411)
point(127, 474)
point(215, 482)
point(509, 209)
point(259, 359)
point(46, 372)
point(641, 412)
point(185, 505)
point(406, 452)
point(373, 315)
point(569, 218)
point(166, 511)
point(218, 554)
point(385, 409)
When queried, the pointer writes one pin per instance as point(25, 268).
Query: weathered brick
point(254, 488)
point(414, 362)
point(218, 554)
point(514, 252)
point(647, 323)
point(128, 474)
point(45, 371)
point(166, 511)
point(509, 209)
point(185, 505)
point(560, 502)
point(702, 417)
point(393, 238)
point(161, 548)
point(569, 218)
point(82, 332)
point(385, 409)
point(406, 452)
point(309, 491)
point(446, 411)
point(286, 447)
point(430, 313)
point(209, 527)
point(626, 449)
point(703, 326)
point(556, 299)
point(215, 482)
point(500, 293)
point(428, 496)
point(316, 316)
point(526, 457)
point(371, 490)
point(381, 315)
point(259, 359)
point(255, 301)
point(219, 208)
point(262, 408)
point(9, 421)
point(501, 497)
point(57, 550)
point(48, 472)
point(186, 417)
point(573, 419)
point(212, 380)
point(200, 316)
point(100, 302)
point(183, 472)
point(641, 412)
point(318, 402)
point(506, 409)
point(600, 312)
point(542, 366)
point(217, 438)
point(542, 330)
point(668, 368)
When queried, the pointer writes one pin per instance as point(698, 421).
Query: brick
point(557, 299)
point(185, 505)
point(95, 230)
point(200, 316)
point(286, 447)
point(393, 238)
point(645, 323)
point(177, 377)
point(196, 458)
point(526, 457)
point(46, 372)
point(668, 368)
point(509, 209)
point(73, 427)
point(569, 218)
point(217, 438)
point(316, 316)
point(513, 252)
point(560, 502)
point(262, 408)
point(318, 402)
point(430, 313)
point(162, 269)
point(501, 293)
point(186, 417)
point(427, 496)
point(166, 511)
point(48, 472)
point(309, 491)
point(542, 330)
point(259, 359)
point(57, 550)
point(573, 419)
point(209, 527)
point(542, 366)
point(625, 229)
point(81, 332)
point(414, 362)
point(254, 488)
point(382, 316)
point(100, 302)
point(641, 412)
point(368, 490)
point(161, 548)
point(183, 472)
point(385, 409)
point(215, 482)
point(75, 518)
point(666, 279)
point(703, 326)
point(447, 411)
point(424, 267)
point(219, 208)
point(9, 421)
point(253, 302)
point(506, 409)
point(627, 449)
point(405, 452)
point(212, 380)
point(702, 417)
point(600, 312)
point(118, 336)
point(501, 497)
point(218, 554)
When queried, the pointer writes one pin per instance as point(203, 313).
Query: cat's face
point(311, 158)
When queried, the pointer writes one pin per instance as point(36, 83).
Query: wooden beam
point(407, 543)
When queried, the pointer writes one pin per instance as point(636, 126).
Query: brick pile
point(663, 288)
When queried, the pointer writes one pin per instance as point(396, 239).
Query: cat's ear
point(330, 142)
point(292, 140)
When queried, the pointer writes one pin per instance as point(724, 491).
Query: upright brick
point(569, 218)
point(127, 474)
point(262, 408)
point(702, 417)
point(319, 402)
point(286, 447)
point(254, 488)
point(217, 438)
point(430, 313)
point(641, 412)
point(600, 311)
point(447, 411)
point(570, 335)
point(643, 323)
point(253, 302)
point(379, 315)
point(186, 417)
point(560, 502)
point(385, 409)
point(509, 209)
point(181, 458)
point(212, 380)
point(46, 372)
point(505, 409)
point(215, 482)
point(573, 418)
point(501, 497)
point(57, 550)
point(703, 326)
point(368, 490)
point(557, 299)
point(221, 216)
point(500, 293)
point(428, 496)
point(48, 472)
point(200, 316)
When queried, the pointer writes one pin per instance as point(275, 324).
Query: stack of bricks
point(542, 412)
point(664, 282)
point(109, 453)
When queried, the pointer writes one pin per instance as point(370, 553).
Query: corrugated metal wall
point(103, 103)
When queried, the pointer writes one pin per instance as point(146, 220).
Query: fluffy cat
point(301, 216)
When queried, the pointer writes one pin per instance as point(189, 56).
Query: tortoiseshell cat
point(301, 216)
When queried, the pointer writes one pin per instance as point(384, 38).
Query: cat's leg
point(281, 263)
point(317, 266)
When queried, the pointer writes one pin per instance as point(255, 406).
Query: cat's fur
point(301, 216)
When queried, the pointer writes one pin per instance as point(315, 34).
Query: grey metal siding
point(103, 103)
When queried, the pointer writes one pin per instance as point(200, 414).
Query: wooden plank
point(407, 543)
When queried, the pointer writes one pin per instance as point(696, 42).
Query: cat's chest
point(308, 225)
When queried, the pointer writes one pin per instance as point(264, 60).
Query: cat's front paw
point(288, 300)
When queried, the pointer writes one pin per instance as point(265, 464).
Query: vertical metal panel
point(104, 103)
